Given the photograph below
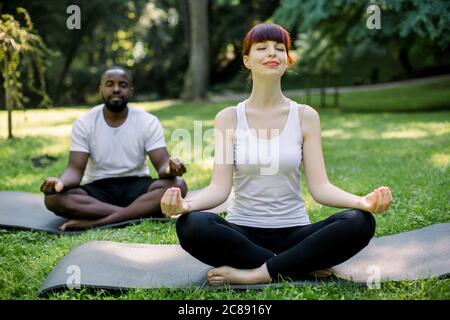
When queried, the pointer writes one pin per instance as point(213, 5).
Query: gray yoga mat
point(112, 265)
point(409, 255)
point(26, 211)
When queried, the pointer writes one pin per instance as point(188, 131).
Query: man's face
point(115, 90)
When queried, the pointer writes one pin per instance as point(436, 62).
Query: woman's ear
point(246, 63)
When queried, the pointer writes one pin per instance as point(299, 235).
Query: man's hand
point(52, 185)
point(175, 167)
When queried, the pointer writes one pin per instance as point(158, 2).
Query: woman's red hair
point(268, 32)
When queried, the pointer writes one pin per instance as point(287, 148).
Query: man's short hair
point(128, 73)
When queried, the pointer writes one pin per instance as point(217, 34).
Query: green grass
point(415, 98)
point(420, 97)
point(410, 152)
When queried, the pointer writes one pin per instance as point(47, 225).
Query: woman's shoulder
point(309, 119)
point(226, 117)
point(307, 113)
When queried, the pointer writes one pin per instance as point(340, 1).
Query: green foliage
point(17, 42)
point(150, 37)
point(331, 32)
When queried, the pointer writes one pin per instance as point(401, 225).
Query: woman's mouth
point(271, 63)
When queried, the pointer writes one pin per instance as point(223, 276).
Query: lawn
point(409, 152)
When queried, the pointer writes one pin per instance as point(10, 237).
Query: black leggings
point(288, 252)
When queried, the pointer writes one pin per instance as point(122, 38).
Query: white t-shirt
point(116, 152)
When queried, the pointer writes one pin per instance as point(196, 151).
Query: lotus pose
point(108, 153)
point(260, 145)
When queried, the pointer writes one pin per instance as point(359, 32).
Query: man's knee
point(176, 182)
point(55, 204)
point(180, 183)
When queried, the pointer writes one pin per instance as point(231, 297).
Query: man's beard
point(116, 106)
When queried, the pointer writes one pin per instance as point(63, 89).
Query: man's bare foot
point(229, 275)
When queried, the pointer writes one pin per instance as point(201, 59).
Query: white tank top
point(266, 175)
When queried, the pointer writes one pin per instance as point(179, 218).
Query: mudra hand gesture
point(52, 185)
point(172, 203)
point(378, 201)
point(175, 167)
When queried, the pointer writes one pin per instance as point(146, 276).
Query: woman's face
point(267, 58)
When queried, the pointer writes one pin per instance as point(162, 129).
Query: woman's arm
point(219, 189)
point(319, 186)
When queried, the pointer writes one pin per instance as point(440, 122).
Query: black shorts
point(118, 191)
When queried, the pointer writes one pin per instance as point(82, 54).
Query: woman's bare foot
point(229, 275)
point(324, 273)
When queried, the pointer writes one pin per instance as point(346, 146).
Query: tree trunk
point(197, 75)
point(322, 92)
point(308, 88)
point(71, 53)
point(403, 57)
point(8, 105)
point(184, 12)
point(336, 96)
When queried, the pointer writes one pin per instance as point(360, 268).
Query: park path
point(227, 96)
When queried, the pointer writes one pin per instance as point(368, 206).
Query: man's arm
point(166, 166)
point(71, 177)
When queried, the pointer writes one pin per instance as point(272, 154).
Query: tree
point(17, 42)
point(405, 25)
point(196, 78)
point(79, 54)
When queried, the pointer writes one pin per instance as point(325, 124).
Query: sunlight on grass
point(440, 160)
point(334, 133)
point(21, 180)
point(61, 147)
point(404, 134)
point(62, 131)
point(51, 122)
point(154, 106)
point(58, 121)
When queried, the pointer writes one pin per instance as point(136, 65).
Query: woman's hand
point(378, 201)
point(172, 203)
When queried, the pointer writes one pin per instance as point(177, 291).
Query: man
point(108, 154)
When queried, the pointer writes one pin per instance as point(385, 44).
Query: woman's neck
point(266, 93)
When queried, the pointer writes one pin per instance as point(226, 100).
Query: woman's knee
point(190, 225)
point(362, 223)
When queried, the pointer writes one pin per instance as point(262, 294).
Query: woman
point(267, 233)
